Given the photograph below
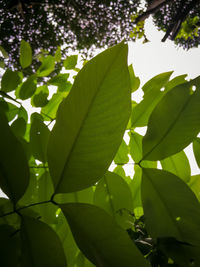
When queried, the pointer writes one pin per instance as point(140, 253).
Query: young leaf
point(70, 62)
point(40, 244)
point(196, 149)
point(10, 80)
point(177, 113)
point(25, 58)
point(28, 87)
point(165, 194)
point(48, 64)
point(178, 164)
point(91, 122)
point(100, 238)
point(14, 171)
point(113, 194)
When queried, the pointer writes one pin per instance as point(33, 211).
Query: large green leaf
point(196, 149)
point(113, 194)
point(142, 111)
point(9, 246)
point(10, 80)
point(48, 64)
point(122, 154)
point(194, 184)
point(170, 207)
point(39, 135)
point(174, 123)
point(25, 58)
point(135, 186)
point(40, 245)
point(91, 122)
point(100, 238)
point(178, 164)
point(14, 171)
point(28, 88)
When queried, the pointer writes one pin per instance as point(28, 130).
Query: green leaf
point(177, 113)
point(14, 171)
point(58, 54)
point(157, 82)
point(196, 150)
point(25, 58)
point(194, 184)
point(91, 122)
point(39, 136)
point(49, 111)
point(177, 164)
point(18, 127)
point(101, 240)
point(28, 87)
point(135, 145)
point(113, 194)
point(122, 154)
point(165, 194)
point(48, 64)
point(142, 111)
point(10, 80)
point(70, 62)
point(9, 246)
point(135, 81)
point(40, 245)
point(39, 99)
point(3, 51)
point(135, 186)
point(61, 80)
point(8, 109)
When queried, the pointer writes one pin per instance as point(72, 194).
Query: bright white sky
point(155, 57)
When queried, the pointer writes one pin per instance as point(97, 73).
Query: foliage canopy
point(64, 207)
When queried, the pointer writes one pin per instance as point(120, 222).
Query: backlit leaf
point(91, 122)
point(100, 238)
point(177, 113)
point(170, 207)
point(194, 184)
point(40, 245)
point(70, 62)
point(48, 64)
point(122, 154)
point(196, 149)
point(25, 58)
point(14, 171)
point(177, 164)
point(10, 80)
point(113, 194)
point(135, 81)
point(28, 87)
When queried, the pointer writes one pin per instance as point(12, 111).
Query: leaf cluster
point(64, 207)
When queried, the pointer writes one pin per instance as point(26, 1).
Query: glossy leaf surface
point(100, 238)
point(91, 122)
point(177, 113)
point(40, 245)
